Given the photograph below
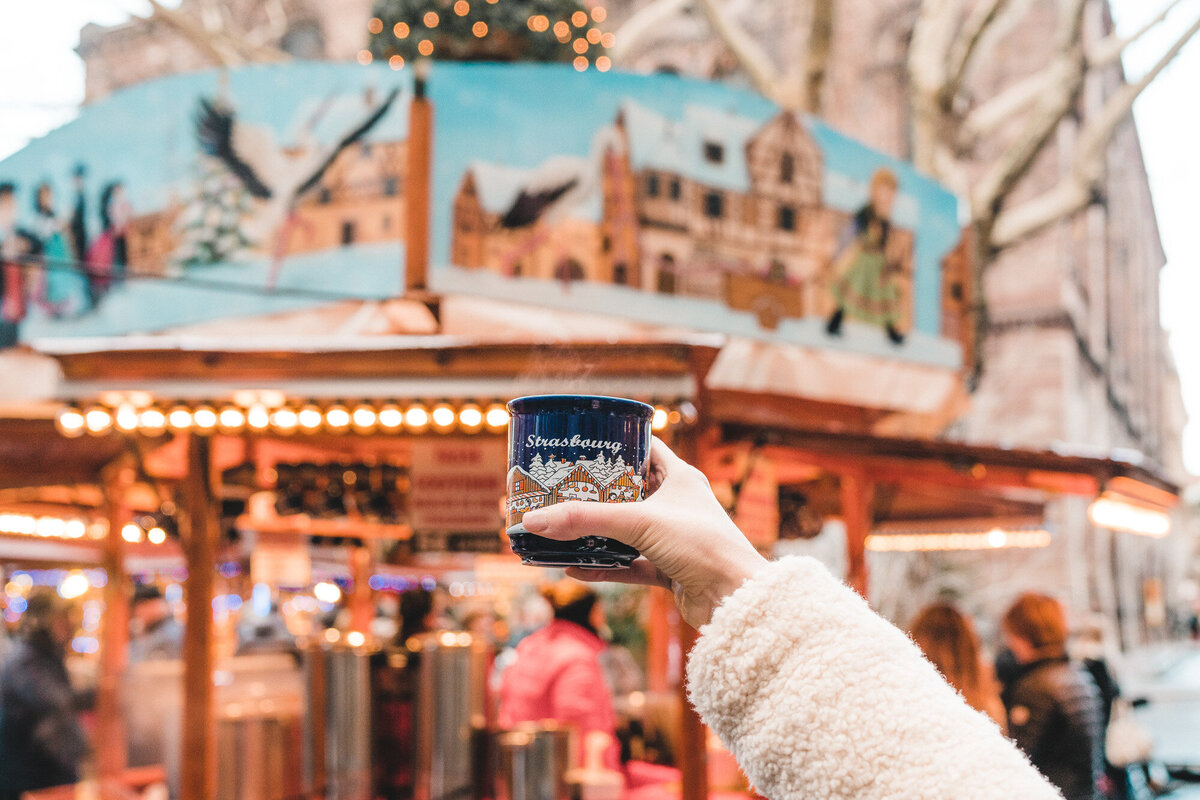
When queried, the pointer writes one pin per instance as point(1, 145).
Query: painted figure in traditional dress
point(863, 286)
point(64, 288)
point(16, 247)
point(108, 255)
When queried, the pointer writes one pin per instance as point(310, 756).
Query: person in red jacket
point(557, 674)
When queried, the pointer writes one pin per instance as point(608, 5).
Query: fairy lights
point(1116, 513)
point(994, 539)
point(362, 417)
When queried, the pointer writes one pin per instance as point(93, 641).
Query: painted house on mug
point(712, 205)
point(524, 493)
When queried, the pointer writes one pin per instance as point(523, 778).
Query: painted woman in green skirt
point(865, 290)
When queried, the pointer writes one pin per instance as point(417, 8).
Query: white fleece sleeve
point(819, 697)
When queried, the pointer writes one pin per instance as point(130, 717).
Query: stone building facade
point(141, 49)
point(1075, 356)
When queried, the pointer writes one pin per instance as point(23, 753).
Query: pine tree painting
point(210, 226)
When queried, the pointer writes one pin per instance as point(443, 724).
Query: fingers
point(640, 572)
point(576, 518)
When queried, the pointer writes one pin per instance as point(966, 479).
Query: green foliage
point(516, 30)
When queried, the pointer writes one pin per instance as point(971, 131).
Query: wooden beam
point(693, 740)
point(201, 530)
point(856, 493)
point(111, 747)
point(658, 639)
point(362, 607)
point(417, 190)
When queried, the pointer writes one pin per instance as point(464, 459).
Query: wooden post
point(362, 610)
point(693, 739)
point(856, 492)
point(111, 752)
point(198, 751)
point(417, 186)
point(658, 639)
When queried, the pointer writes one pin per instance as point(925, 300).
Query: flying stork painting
point(277, 176)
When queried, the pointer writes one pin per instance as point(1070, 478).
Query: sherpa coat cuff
point(819, 697)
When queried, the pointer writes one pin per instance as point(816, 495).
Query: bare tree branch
point(644, 22)
point(196, 33)
point(1109, 49)
point(816, 59)
point(1075, 194)
point(933, 35)
point(1052, 106)
point(753, 58)
point(966, 44)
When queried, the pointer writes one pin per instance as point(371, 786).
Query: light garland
point(994, 539)
point(46, 527)
point(361, 418)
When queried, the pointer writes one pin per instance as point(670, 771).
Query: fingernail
point(535, 521)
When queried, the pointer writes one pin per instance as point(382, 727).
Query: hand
point(688, 543)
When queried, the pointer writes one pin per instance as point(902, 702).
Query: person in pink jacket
point(557, 675)
point(814, 694)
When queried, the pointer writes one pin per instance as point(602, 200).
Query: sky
point(41, 86)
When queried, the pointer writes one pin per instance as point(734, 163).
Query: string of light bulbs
point(307, 418)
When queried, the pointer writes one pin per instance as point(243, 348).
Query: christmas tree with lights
point(210, 226)
point(489, 30)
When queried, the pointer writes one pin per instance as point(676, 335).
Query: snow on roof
point(679, 145)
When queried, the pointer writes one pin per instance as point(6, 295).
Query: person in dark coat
point(41, 740)
point(1053, 706)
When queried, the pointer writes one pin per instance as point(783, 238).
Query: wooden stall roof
point(935, 462)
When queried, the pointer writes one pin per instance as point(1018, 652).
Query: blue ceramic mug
point(575, 447)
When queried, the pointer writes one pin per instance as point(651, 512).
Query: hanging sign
point(457, 485)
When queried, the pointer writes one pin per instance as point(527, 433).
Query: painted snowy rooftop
point(272, 128)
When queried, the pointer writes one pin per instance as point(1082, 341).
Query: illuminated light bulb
point(396, 62)
point(131, 533)
point(579, 19)
point(258, 418)
point(310, 418)
point(71, 422)
point(604, 63)
point(599, 14)
point(496, 417)
point(1119, 515)
point(416, 418)
point(562, 29)
point(425, 48)
point(375, 25)
point(97, 420)
point(541, 23)
point(179, 418)
point(581, 63)
point(674, 418)
point(284, 420)
point(231, 419)
point(74, 585)
point(480, 29)
point(470, 417)
point(580, 46)
point(365, 57)
point(659, 420)
point(140, 399)
point(327, 592)
point(126, 418)
point(364, 417)
point(390, 417)
point(204, 418)
point(442, 416)
point(156, 535)
point(462, 8)
point(152, 421)
point(74, 529)
point(431, 19)
point(337, 417)
point(608, 39)
point(332, 635)
point(593, 36)
point(532, 23)
point(996, 537)
point(400, 30)
point(51, 526)
point(355, 639)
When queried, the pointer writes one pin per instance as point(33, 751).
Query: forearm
point(817, 696)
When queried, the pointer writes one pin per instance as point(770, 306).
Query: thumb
point(574, 519)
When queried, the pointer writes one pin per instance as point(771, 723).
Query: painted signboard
point(270, 189)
